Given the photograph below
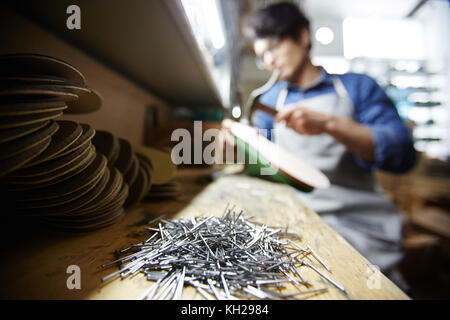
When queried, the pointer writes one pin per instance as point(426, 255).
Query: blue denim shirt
point(394, 151)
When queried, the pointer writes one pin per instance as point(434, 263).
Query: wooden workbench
point(35, 260)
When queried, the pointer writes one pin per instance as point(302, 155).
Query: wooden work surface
point(34, 261)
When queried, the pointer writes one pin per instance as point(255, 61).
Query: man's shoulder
point(354, 78)
point(359, 85)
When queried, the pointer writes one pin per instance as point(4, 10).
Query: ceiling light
point(324, 35)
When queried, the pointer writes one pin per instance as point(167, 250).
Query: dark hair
point(277, 20)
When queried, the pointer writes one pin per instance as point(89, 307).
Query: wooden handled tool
point(252, 101)
point(259, 106)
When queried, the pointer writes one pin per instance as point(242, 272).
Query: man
point(343, 124)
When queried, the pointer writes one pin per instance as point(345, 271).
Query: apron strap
point(340, 90)
point(341, 93)
point(339, 86)
point(281, 98)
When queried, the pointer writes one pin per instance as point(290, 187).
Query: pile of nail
point(225, 257)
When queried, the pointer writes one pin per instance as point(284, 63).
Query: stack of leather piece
point(163, 191)
point(164, 184)
point(149, 173)
point(50, 168)
point(136, 168)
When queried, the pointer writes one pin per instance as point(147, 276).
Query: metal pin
point(225, 287)
point(217, 294)
point(165, 287)
point(337, 285)
point(149, 294)
point(220, 256)
point(180, 285)
point(205, 294)
point(318, 259)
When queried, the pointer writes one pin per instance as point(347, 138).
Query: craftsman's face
point(286, 55)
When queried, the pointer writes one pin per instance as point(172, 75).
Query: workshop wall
point(125, 103)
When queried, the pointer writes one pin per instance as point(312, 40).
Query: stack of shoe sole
point(162, 191)
point(136, 168)
point(149, 173)
point(164, 182)
point(50, 168)
point(42, 78)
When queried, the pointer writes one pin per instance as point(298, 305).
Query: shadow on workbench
point(426, 266)
point(423, 197)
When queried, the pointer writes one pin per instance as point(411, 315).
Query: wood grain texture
point(37, 269)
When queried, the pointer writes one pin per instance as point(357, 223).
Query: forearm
point(355, 136)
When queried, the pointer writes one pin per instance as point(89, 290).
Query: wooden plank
point(421, 241)
point(432, 219)
point(34, 264)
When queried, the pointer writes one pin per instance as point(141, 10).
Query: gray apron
point(352, 205)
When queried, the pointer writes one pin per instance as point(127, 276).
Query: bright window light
point(335, 65)
point(383, 38)
point(408, 66)
point(419, 115)
point(324, 35)
point(409, 81)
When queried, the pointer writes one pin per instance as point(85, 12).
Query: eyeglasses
point(259, 59)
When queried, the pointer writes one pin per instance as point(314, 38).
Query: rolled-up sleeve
point(394, 150)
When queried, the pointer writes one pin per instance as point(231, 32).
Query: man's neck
point(307, 74)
